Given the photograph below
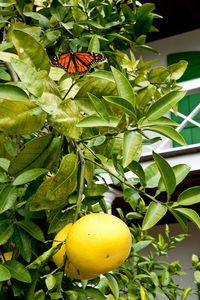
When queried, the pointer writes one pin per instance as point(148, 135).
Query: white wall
point(188, 41)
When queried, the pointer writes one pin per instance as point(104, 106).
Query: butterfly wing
point(76, 62)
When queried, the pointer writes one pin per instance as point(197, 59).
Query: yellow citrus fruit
point(58, 258)
point(61, 236)
point(6, 256)
point(98, 243)
point(75, 273)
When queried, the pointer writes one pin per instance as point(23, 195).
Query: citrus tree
point(59, 135)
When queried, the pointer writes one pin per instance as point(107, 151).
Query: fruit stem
point(81, 184)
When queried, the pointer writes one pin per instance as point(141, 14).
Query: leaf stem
point(81, 184)
point(122, 180)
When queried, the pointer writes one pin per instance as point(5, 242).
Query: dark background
point(178, 16)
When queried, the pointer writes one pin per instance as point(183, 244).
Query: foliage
point(59, 135)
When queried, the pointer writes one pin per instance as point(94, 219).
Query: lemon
point(98, 243)
point(61, 236)
point(75, 273)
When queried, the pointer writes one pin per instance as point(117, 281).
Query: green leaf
point(20, 117)
point(180, 172)
point(186, 292)
point(40, 260)
point(165, 278)
point(163, 105)
point(58, 221)
point(31, 155)
point(113, 285)
point(4, 273)
point(190, 196)
point(18, 271)
point(182, 220)
point(137, 169)
point(23, 243)
point(197, 276)
point(163, 121)
point(4, 163)
point(167, 173)
point(94, 45)
point(8, 197)
point(132, 147)
point(39, 295)
point(94, 293)
point(169, 132)
point(95, 121)
point(124, 87)
point(145, 95)
point(154, 213)
point(6, 3)
point(102, 74)
point(6, 231)
point(122, 104)
point(190, 214)
point(50, 282)
point(11, 92)
point(32, 229)
point(99, 107)
point(28, 74)
point(66, 118)
point(54, 191)
point(29, 175)
point(152, 175)
point(141, 245)
point(158, 75)
point(43, 21)
point(178, 69)
point(4, 177)
point(32, 50)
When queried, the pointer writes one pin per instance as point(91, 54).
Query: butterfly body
point(76, 63)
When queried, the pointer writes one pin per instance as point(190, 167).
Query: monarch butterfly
point(76, 63)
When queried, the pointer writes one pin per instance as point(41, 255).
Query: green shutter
point(191, 133)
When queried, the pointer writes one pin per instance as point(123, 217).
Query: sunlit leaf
point(163, 105)
point(28, 74)
point(4, 273)
point(152, 175)
point(178, 69)
point(95, 121)
point(132, 146)
point(20, 117)
point(122, 104)
point(154, 213)
point(190, 214)
point(124, 87)
point(11, 92)
point(169, 132)
point(190, 196)
point(54, 191)
point(30, 50)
